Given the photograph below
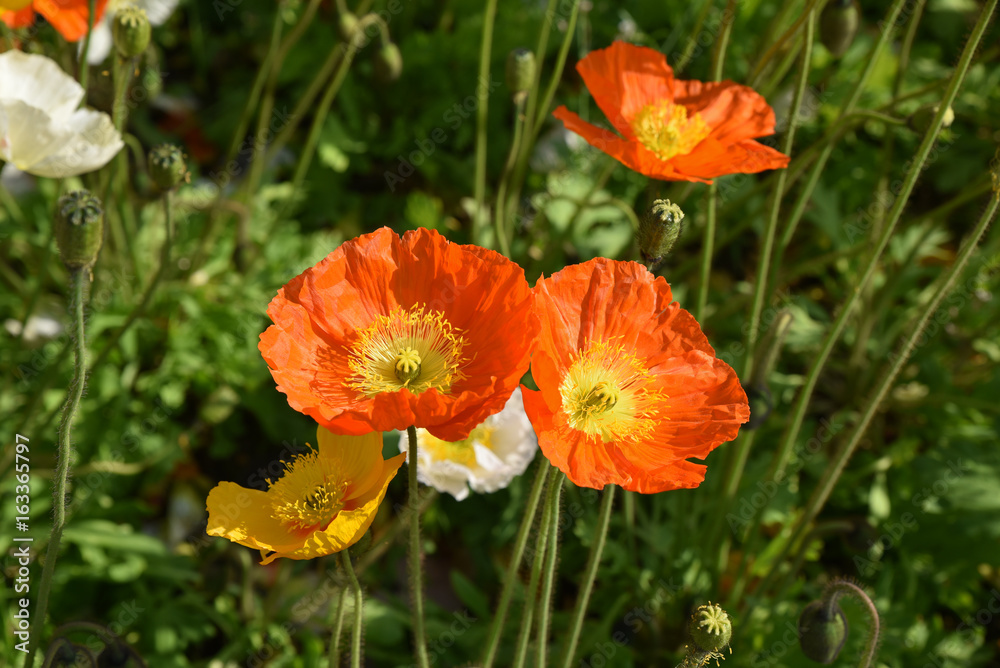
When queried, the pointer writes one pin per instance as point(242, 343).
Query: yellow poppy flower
point(324, 502)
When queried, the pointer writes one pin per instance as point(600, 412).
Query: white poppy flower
point(42, 131)
point(496, 451)
point(101, 41)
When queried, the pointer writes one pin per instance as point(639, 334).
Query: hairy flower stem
point(359, 609)
point(738, 455)
point(416, 551)
point(496, 631)
point(832, 472)
point(338, 630)
point(590, 574)
point(839, 588)
point(551, 559)
point(537, 561)
point(79, 279)
point(504, 236)
point(708, 240)
point(482, 115)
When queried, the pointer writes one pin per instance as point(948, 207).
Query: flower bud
point(388, 63)
point(346, 25)
point(130, 30)
point(79, 228)
point(920, 120)
point(166, 166)
point(838, 24)
point(822, 634)
point(520, 72)
point(115, 655)
point(659, 230)
point(710, 628)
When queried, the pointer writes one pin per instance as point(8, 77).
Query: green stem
point(338, 630)
point(550, 90)
point(832, 472)
point(551, 558)
point(503, 238)
point(79, 278)
point(838, 588)
point(147, 296)
point(359, 609)
point(708, 241)
point(590, 574)
point(496, 631)
point(416, 567)
point(84, 65)
point(685, 58)
point(482, 115)
point(537, 562)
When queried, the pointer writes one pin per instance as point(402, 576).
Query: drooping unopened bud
point(388, 63)
point(166, 166)
point(79, 228)
point(131, 31)
point(659, 229)
point(822, 631)
point(838, 24)
point(920, 120)
point(520, 73)
point(114, 655)
point(346, 25)
point(710, 628)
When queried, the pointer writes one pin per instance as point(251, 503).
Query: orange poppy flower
point(629, 387)
point(324, 503)
point(386, 333)
point(69, 17)
point(671, 129)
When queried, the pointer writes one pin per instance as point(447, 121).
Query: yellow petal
point(356, 459)
point(349, 525)
point(245, 516)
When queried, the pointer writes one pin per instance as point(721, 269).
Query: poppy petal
point(744, 157)
point(732, 111)
point(244, 516)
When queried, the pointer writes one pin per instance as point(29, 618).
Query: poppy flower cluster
point(392, 333)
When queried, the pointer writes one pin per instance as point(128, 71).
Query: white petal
point(158, 11)
point(101, 42)
point(93, 144)
point(28, 135)
point(38, 82)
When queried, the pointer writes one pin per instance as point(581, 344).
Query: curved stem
point(482, 115)
point(416, 567)
point(84, 65)
point(538, 559)
point(551, 558)
point(550, 90)
point(359, 610)
point(496, 631)
point(79, 278)
point(590, 574)
point(838, 588)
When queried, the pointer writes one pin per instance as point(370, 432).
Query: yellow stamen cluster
point(309, 495)
point(460, 452)
point(609, 393)
point(416, 349)
point(665, 129)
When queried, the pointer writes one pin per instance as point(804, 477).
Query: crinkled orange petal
point(350, 524)
point(18, 19)
point(319, 314)
point(621, 302)
point(623, 79)
point(245, 516)
point(69, 17)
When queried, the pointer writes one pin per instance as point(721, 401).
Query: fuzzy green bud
point(346, 25)
point(710, 628)
point(921, 119)
point(166, 166)
point(388, 63)
point(79, 229)
point(131, 31)
point(520, 72)
point(822, 631)
point(838, 25)
point(659, 230)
